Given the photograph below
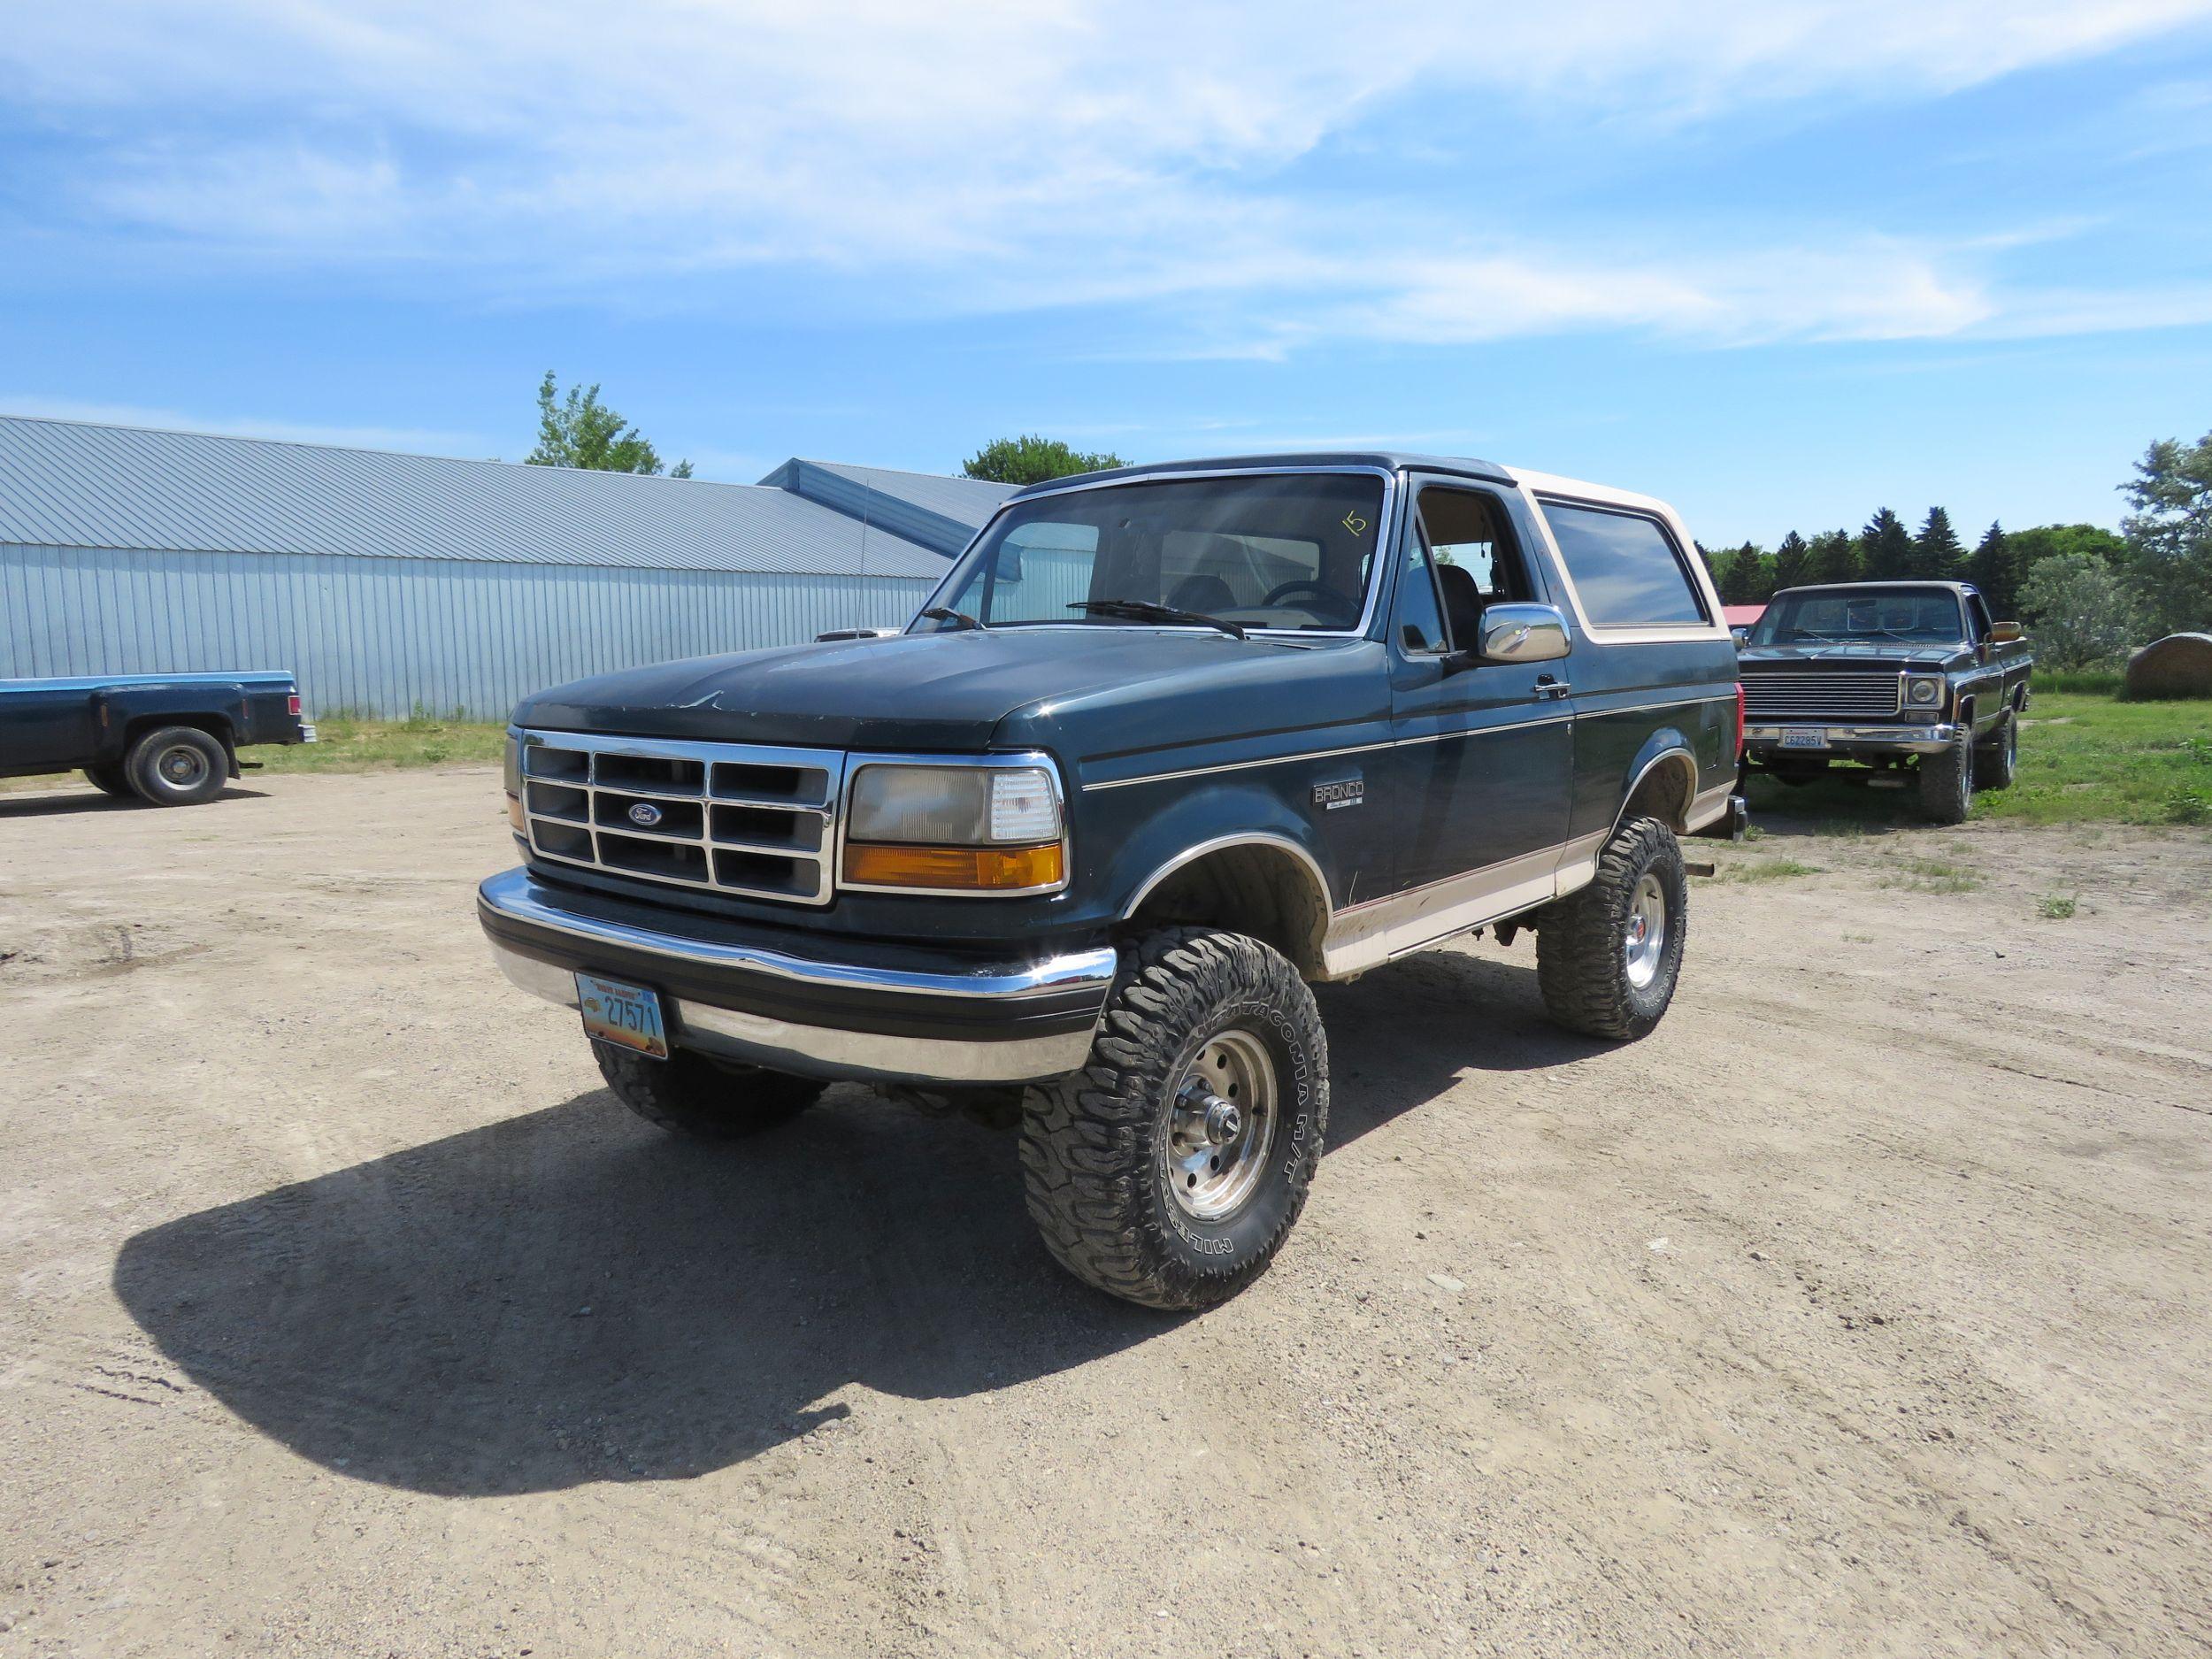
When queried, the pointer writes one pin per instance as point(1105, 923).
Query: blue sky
point(1780, 263)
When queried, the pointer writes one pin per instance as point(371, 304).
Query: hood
point(1882, 656)
point(930, 692)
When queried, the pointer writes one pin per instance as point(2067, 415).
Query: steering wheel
point(1346, 611)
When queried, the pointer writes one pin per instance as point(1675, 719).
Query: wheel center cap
point(1224, 1121)
point(1637, 928)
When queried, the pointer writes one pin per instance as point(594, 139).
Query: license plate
point(628, 1016)
point(1804, 737)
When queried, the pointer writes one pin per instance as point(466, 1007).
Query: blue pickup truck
point(1168, 744)
point(169, 739)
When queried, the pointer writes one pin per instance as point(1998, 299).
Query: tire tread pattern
point(1579, 966)
point(1085, 1142)
point(688, 1094)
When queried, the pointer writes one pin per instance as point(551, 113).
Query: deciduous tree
point(2080, 609)
point(1031, 460)
point(581, 431)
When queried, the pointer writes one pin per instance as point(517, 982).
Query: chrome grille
point(741, 819)
point(1783, 696)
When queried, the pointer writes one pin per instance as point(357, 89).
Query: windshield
point(1920, 614)
point(1290, 550)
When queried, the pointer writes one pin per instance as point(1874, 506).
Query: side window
point(1977, 618)
point(1420, 621)
point(1624, 568)
point(1477, 563)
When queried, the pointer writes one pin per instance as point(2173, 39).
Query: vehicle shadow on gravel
point(33, 805)
point(569, 1296)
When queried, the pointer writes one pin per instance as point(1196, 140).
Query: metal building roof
point(939, 512)
point(65, 483)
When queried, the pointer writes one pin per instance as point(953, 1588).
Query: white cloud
point(1007, 155)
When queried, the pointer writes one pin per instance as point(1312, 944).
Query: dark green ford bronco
point(1168, 743)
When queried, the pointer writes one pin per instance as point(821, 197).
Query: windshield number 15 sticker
point(1354, 523)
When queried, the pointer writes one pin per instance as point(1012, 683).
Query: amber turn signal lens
point(514, 816)
point(956, 869)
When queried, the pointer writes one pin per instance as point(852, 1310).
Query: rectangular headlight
point(952, 806)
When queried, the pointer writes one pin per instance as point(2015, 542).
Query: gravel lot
point(1865, 1308)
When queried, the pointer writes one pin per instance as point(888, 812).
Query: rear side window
point(1624, 569)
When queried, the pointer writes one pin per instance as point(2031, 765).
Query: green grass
point(2056, 907)
point(2094, 682)
point(1934, 875)
point(1769, 870)
point(2086, 757)
point(351, 745)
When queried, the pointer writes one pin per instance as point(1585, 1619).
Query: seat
point(1203, 591)
point(1463, 605)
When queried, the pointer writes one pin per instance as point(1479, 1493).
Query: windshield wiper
point(960, 620)
point(1145, 610)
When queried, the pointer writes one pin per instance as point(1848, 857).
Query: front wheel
point(177, 765)
point(1169, 1171)
point(1947, 779)
point(1607, 956)
point(689, 1095)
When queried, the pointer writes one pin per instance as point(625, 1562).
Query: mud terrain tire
point(1599, 970)
point(1204, 1033)
point(689, 1095)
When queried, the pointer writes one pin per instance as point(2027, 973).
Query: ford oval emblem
point(645, 815)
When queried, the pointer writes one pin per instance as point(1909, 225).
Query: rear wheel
point(689, 1095)
point(1607, 956)
point(1169, 1171)
point(177, 765)
point(1947, 779)
point(1994, 761)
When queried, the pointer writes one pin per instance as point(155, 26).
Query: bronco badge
point(1350, 791)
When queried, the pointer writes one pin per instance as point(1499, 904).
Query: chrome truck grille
point(741, 818)
point(1790, 696)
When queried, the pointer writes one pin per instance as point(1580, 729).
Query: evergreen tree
point(2168, 552)
point(1746, 579)
point(1937, 555)
point(1790, 561)
point(1886, 550)
point(1991, 567)
point(1832, 557)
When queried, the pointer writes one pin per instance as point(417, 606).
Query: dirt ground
point(1864, 1308)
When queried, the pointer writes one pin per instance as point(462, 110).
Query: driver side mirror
point(1741, 634)
point(2005, 632)
point(1522, 633)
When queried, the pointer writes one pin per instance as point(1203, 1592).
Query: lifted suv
point(1168, 743)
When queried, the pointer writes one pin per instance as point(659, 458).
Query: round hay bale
point(2179, 665)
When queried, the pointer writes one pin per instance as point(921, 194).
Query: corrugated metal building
point(390, 582)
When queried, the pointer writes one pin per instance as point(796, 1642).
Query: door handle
point(1546, 687)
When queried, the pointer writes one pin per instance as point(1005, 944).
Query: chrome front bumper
point(1888, 740)
point(1015, 1023)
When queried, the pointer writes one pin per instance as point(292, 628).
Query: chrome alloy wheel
point(181, 767)
point(1646, 940)
point(1221, 1124)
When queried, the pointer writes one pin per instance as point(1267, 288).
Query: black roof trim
point(1389, 460)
